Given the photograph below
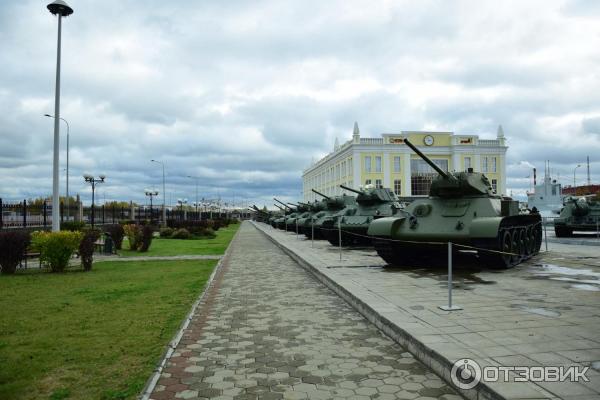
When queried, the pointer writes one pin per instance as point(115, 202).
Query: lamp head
point(60, 7)
point(102, 178)
point(48, 115)
point(88, 177)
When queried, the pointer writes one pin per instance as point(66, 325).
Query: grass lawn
point(92, 335)
point(177, 247)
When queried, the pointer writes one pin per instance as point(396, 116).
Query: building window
point(467, 163)
point(378, 183)
point(495, 185)
point(397, 186)
point(422, 175)
point(367, 182)
point(378, 164)
point(493, 164)
point(397, 164)
point(367, 163)
point(484, 164)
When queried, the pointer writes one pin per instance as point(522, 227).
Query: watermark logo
point(467, 373)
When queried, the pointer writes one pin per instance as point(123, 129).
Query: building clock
point(428, 140)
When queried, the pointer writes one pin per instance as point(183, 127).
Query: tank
point(579, 213)
point(303, 210)
point(371, 203)
point(305, 220)
point(463, 209)
point(281, 222)
point(333, 205)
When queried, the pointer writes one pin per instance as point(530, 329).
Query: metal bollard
point(545, 233)
point(286, 225)
point(597, 230)
point(312, 233)
point(340, 236)
point(297, 229)
point(450, 307)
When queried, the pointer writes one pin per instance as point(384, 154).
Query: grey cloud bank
point(244, 94)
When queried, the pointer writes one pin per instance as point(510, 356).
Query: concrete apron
point(440, 364)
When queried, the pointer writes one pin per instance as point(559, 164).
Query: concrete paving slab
point(548, 305)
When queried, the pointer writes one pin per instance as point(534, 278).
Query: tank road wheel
point(530, 241)
point(537, 235)
point(388, 251)
point(506, 247)
point(522, 238)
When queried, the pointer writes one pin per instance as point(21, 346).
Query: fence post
point(340, 235)
point(545, 233)
point(45, 213)
point(62, 212)
point(312, 232)
point(450, 307)
point(25, 213)
point(113, 213)
point(1, 214)
point(102, 214)
point(297, 229)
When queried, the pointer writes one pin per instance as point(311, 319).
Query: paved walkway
point(543, 312)
point(268, 330)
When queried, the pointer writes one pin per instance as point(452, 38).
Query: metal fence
point(23, 214)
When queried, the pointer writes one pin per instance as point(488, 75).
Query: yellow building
point(388, 162)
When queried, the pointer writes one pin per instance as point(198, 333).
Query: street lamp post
point(68, 129)
point(61, 9)
point(181, 203)
point(575, 179)
point(151, 194)
point(93, 181)
point(164, 207)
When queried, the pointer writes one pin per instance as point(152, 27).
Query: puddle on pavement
point(538, 311)
point(580, 279)
point(596, 365)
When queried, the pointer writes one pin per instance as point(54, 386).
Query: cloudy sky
point(243, 94)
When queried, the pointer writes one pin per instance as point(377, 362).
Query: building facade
point(388, 162)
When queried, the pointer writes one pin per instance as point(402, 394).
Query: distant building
point(388, 162)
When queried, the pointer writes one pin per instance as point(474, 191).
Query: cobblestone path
point(268, 330)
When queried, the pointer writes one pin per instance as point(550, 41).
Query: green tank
point(305, 220)
point(579, 213)
point(333, 205)
point(461, 208)
point(281, 222)
point(303, 210)
point(371, 203)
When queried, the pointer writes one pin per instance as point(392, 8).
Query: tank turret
point(321, 194)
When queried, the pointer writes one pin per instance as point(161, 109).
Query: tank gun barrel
point(321, 194)
point(282, 203)
point(281, 208)
point(428, 160)
point(350, 189)
point(293, 205)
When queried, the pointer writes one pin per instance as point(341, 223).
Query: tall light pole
point(61, 9)
point(68, 129)
point(575, 179)
point(151, 194)
point(93, 181)
point(164, 210)
point(196, 178)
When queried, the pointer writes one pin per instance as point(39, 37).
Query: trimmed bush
point(134, 236)
point(72, 226)
point(13, 246)
point(117, 233)
point(86, 248)
point(56, 248)
point(147, 235)
point(210, 233)
point(181, 234)
point(166, 232)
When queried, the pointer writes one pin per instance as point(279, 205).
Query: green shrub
point(86, 248)
point(116, 233)
point(166, 232)
point(147, 235)
point(56, 248)
point(134, 236)
point(13, 246)
point(209, 233)
point(72, 226)
point(181, 234)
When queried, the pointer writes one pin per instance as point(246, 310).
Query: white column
point(476, 163)
point(386, 170)
point(502, 188)
point(356, 169)
point(406, 189)
point(455, 162)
